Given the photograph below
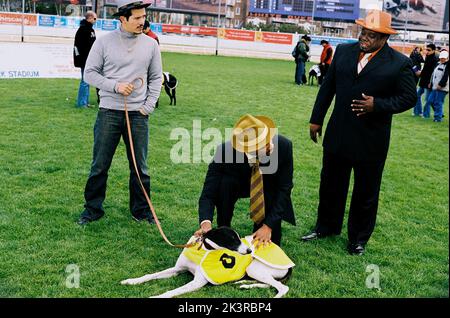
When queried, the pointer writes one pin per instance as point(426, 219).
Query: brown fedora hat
point(252, 133)
point(377, 21)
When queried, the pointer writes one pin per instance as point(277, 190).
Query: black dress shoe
point(83, 220)
point(149, 218)
point(356, 249)
point(314, 235)
point(310, 236)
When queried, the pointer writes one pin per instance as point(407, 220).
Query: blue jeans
point(418, 107)
point(109, 127)
point(83, 91)
point(436, 100)
point(299, 72)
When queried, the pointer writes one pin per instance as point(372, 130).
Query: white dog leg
point(266, 275)
point(256, 285)
point(244, 281)
point(198, 282)
point(173, 271)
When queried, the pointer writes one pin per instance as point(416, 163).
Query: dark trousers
point(334, 184)
point(323, 72)
point(109, 127)
point(232, 189)
point(299, 72)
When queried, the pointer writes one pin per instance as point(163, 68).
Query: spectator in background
point(301, 55)
point(424, 80)
point(417, 60)
point(439, 87)
point(73, 9)
point(84, 39)
point(149, 32)
point(325, 59)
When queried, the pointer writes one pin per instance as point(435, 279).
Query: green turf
point(46, 150)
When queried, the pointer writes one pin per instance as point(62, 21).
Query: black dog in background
point(170, 83)
point(314, 73)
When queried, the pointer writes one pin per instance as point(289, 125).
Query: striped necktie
point(257, 211)
point(363, 62)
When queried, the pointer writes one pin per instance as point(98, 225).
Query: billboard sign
point(198, 6)
point(418, 15)
point(346, 10)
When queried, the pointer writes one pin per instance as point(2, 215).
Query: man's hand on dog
point(262, 236)
point(204, 227)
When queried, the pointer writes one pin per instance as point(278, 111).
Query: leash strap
point(149, 202)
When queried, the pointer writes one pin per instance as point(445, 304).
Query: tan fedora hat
point(252, 133)
point(377, 21)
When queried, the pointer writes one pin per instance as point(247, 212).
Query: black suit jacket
point(388, 77)
point(277, 185)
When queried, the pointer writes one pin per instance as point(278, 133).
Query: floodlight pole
point(406, 26)
point(218, 27)
point(23, 18)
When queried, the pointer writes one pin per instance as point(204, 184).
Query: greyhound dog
point(221, 256)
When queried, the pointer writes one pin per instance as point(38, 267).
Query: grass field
point(46, 150)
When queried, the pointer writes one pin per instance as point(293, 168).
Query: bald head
point(91, 16)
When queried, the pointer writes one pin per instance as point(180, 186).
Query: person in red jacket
point(325, 59)
point(149, 32)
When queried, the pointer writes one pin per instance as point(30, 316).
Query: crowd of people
point(432, 76)
point(369, 81)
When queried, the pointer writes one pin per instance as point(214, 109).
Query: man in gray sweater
point(123, 64)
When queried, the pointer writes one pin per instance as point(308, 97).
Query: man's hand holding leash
point(205, 226)
point(125, 88)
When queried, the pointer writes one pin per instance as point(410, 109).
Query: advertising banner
point(418, 15)
point(345, 10)
point(273, 37)
point(239, 35)
point(36, 60)
point(201, 6)
point(16, 18)
point(186, 29)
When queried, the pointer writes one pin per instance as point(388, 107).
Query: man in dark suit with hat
point(257, 163)
point(371, 82)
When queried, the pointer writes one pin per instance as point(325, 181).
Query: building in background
point(416, 20)
point(331, 18)
point(200, 12)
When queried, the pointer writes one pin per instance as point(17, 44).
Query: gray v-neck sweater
point(120, 56)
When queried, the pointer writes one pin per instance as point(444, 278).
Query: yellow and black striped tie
point(257, 211)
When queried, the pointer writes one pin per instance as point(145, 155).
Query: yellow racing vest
point(222, 266)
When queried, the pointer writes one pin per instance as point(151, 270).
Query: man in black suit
point(254, 142)
point(371, 82)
